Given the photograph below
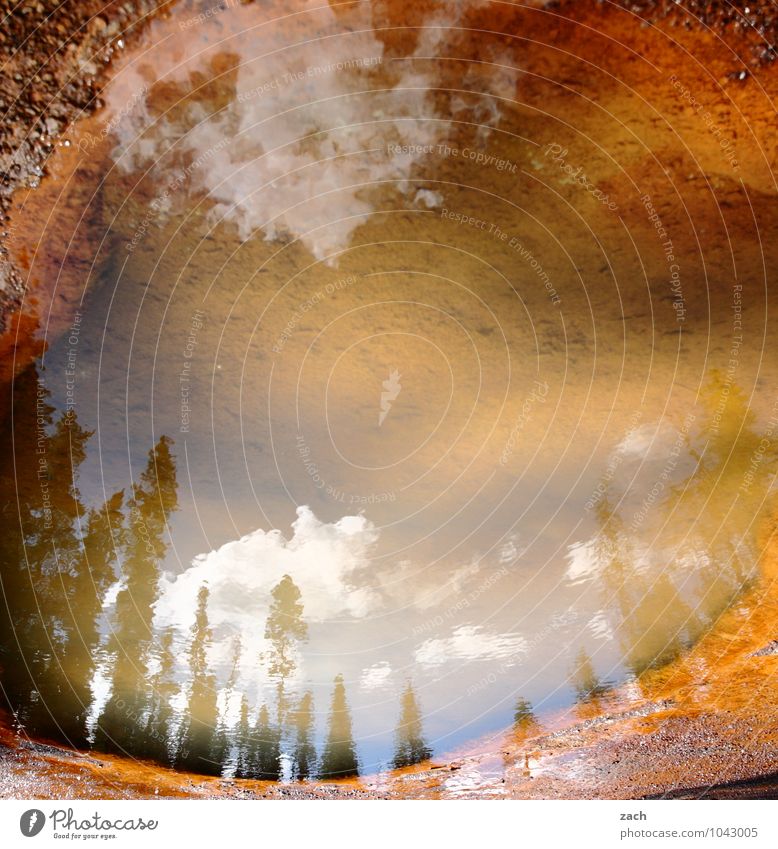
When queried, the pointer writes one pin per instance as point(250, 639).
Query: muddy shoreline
point(55, 59)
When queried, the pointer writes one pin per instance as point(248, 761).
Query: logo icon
point(32, 822)
point(392, 388)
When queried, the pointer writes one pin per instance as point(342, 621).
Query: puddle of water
point(372, 428)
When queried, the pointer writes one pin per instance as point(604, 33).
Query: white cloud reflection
point(329, 563)
point(470, 642)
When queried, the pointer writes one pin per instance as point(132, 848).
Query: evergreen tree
point(159, 726)
point(284, 628)
point(245, 752)
point(523, 716)
point(196, 739)
point(410, 746)
point(304, 752)
point(587, 684)
point(266, 748)
point(123, 719)
point(56, 563)
point(221, 740)
point(339, 758)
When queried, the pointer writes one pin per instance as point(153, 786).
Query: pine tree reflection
point(339, 759)
point(161, 719)
point(304, 752)
point(410, 746)
point(120, 725)
point(670, 570)
point(57, 562)
point(588, 686)
point(196, 738)
point(285, 627)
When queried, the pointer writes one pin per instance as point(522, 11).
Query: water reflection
point(58, 560)
point(411, 747)
point(90, 656)
point(130, 635)
point(304, 750)
point(586, 682)
point(673, 554)
point(328, 479)
point(339, 759)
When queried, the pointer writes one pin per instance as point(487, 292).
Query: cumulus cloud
point(376, 677)
point(302, 148)
point(470, 642)
point(329, 562)
point(583, 561)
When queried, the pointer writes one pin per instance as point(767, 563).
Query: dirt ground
point(54, 59)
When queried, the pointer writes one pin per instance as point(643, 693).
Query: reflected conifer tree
point(123, 719)
point(244, 751)
point(524, 720)
point(266, 748)
point(196, 738)
point(83, 590)
point(339, 758)
point(304, 752)
point(159, 726)
point(58, 560)
point(711, 550)
point(587, 684)
point(525, 725)
point(410, 746)
point(647, 640)
point(222, 742)
point(284, 628)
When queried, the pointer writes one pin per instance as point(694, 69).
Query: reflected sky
point(394, 433)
